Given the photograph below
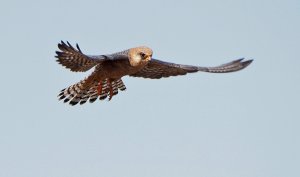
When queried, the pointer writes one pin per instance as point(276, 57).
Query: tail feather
point(104, 94)
point(115, 88)
point(121, 85)
point(81, 92)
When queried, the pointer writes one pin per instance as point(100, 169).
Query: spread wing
point(74, 59)
point(157, 69)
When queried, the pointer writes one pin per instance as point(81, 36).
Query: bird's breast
point(117, 68)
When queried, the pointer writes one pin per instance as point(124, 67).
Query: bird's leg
point(99, 88)
point(111, 93)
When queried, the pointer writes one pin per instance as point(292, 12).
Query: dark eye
point(143, 55)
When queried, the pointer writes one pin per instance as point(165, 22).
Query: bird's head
point(140, 56)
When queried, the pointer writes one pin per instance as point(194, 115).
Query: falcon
point(106, 79)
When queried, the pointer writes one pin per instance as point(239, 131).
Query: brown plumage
point(105, 81)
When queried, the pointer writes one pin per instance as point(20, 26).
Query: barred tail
point(82, 92)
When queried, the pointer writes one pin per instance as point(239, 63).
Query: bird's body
point(106, 81)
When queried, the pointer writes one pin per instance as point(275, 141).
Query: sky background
point(241, 124)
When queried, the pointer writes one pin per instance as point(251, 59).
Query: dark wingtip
point(247, 63)
point(66, 100)
point(58, 54)
point(73, 103)
point(60, 94)
point(93, 100)
point(238, 60)
point(122, 89)
point(61, 97)
point(103, 97)
point(78, 48)
point(82, 102)
point(60, 43)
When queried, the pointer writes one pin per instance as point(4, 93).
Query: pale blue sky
point(243, 124)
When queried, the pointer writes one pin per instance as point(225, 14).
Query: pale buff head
point(139, 56)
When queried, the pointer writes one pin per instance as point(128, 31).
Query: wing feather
point(157, 69)
point(74, 59)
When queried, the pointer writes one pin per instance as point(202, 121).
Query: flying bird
point(106, 79)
